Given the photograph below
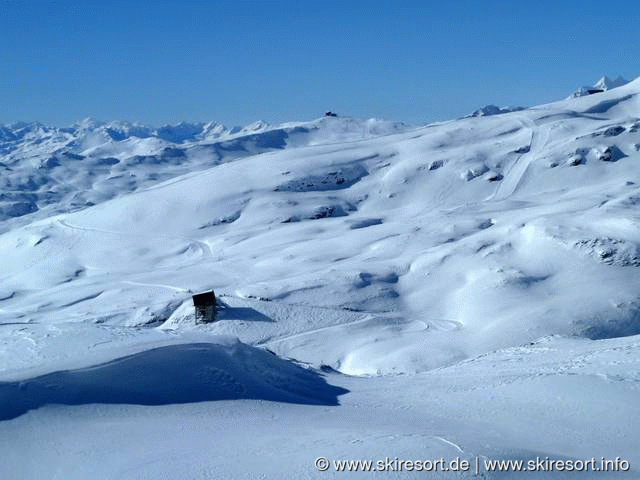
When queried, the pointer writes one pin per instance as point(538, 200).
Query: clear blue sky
point(239, 61)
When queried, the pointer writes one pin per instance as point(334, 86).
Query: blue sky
point(236, 62)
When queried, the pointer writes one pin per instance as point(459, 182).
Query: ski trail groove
point(515, 172)
point(203, 247)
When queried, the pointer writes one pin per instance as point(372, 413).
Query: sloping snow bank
point(174, 374)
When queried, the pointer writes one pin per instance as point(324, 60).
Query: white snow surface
point(464, 289)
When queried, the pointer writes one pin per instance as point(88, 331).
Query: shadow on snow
point(171, 375)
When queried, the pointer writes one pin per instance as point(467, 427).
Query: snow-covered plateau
point(467, 289)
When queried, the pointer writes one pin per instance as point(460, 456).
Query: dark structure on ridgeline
point(205, 304)
point(330, 114)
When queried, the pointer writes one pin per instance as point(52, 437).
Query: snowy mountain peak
point(179, 133)
point(89, 123)
point(489, 110)
point(213, 129)
point(602, 85)
point(257, 126)
point(605, 83)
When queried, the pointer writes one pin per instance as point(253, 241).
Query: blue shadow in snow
point(171, 375)
point(226, 312)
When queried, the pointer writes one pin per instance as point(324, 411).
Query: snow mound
point(174, 374)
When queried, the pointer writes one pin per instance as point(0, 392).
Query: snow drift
point(174, 374)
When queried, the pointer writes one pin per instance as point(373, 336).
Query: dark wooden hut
point(205, 305)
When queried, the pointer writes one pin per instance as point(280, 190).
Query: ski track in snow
point(516, 171)
point(156, 285)
point(314, 331)
point(203, 247)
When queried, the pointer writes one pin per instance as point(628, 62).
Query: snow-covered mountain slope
point(47, 170)
point(486, 260)
point(448, 233)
